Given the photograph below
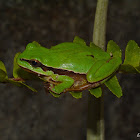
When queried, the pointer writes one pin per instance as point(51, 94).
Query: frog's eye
point(35, 63)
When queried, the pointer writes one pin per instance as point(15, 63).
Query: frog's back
point(69, 56)
point(67, 45)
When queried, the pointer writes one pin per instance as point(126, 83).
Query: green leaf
point(114, 49)
point(76, 95)
point(138, 69)
point(20, 83)
point(3, 72)
point(20, 73)
point(14, 81)
point(92, 45)
point(36, 43)
point(132, 54)
point(54, 94)
point(126, 68)
point(31, 88)
point(16, 68)
point(114, 86)
point(97, 92)
point(132, 58)
point(79, 40)
point(2, 76)
point(2, 67)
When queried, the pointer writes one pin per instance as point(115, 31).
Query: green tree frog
point(69, 66)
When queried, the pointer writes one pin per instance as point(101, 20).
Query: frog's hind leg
point(102, 69)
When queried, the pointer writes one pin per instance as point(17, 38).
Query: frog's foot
point(50, 85)
point(59, 83)
point(55, 89)
point(46, 86)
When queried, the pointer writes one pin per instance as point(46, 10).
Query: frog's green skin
point(74, 57)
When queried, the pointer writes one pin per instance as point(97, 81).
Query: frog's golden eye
point(35, 63)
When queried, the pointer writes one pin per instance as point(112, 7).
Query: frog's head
point(31, 59)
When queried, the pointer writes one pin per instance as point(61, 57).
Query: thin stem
point(95, 128)
point(99, 31)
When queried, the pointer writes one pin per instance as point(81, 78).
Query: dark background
point(25, 116)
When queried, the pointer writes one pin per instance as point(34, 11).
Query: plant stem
point(99, 31)
point(95, 128)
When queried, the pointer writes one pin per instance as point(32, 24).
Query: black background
point(24, 115)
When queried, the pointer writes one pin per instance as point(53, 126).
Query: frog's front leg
point(60, 83)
